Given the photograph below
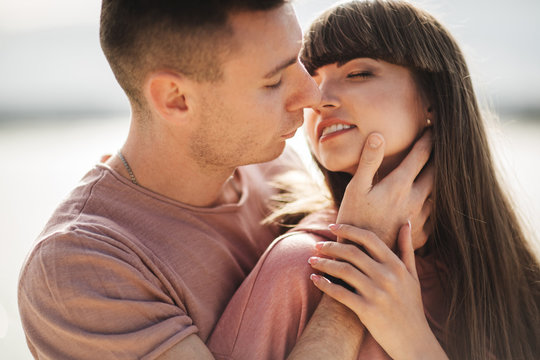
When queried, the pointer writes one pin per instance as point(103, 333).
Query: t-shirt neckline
point(212, 209)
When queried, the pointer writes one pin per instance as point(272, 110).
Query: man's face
point(247, 116)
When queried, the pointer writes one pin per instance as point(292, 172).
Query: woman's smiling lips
point(329, 128)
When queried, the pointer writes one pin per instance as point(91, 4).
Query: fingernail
point(319, 245)
point(374, 141)
point(409, 224)
point(315, 277)
point(313, 260)
point(334, 227)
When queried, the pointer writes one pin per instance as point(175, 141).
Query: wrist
point(430, 350)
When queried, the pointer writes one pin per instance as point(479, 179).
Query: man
point(142, 258)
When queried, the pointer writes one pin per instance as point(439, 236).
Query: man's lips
point(289, 135)
point(292, 133)
point(338, 124)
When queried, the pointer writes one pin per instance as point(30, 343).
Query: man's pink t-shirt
point(120, 272)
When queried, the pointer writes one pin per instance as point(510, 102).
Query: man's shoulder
point(78, 222)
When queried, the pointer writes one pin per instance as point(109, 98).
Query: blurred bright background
point(61, 109)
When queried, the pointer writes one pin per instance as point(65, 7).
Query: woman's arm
point(387, 297)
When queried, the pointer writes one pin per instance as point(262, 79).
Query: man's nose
point(307, 92)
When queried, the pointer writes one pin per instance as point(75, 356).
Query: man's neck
point(170, 172)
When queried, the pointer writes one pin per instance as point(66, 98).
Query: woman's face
point(360, 97)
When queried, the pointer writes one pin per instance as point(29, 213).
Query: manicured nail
point(315, 277)
point(374, 141)
point(313, 260)
point(334, 227)
point(319, 245)
point(409, 224)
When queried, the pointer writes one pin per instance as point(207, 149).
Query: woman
point(388, 67)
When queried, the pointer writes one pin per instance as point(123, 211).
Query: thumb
point(406, 250)
point(370, 160)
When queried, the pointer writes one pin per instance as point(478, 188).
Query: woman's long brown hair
point(493, 277)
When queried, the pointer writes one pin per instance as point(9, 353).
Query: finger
point(415, 160)
point(348, 252)
point(424, 183)
point(341, 270)
point(427, 230)
point(370, 160)
point(339, 293)
point(422, 225)
point(371, 242)
point(425, 213)
point(406, 250)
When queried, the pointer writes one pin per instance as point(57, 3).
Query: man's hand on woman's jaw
point(402, 195)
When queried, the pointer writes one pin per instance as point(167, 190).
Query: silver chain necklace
point(128, 168)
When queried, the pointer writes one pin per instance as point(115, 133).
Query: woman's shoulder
point(301, 239)
point(317, 223)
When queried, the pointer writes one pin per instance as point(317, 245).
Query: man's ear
point(166, 94)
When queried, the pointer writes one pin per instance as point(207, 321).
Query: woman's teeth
point(336, 127)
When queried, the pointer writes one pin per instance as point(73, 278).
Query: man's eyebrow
point(281, 66)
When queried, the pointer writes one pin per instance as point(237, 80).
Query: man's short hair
point(188, 36)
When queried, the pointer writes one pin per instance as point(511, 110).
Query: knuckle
point(346, 229)
point(328, 248)
point(351, 251)
point(371, 238)
point(346, 269)
point(356, 252)
point(371, 158)
point(339, 290)
point(402, 188)
point(390, 278)
point(378, 296)
point(400, 270)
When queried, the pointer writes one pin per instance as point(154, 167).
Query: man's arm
point(333, 332)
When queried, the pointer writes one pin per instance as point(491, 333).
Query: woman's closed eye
point(360, 74)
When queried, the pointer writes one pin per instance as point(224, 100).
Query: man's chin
point(270, 154)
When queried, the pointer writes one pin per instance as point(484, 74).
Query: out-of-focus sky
point(51, 63)
point(28, 15)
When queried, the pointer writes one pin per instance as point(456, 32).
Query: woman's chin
point(389, 163)
point(350, 169)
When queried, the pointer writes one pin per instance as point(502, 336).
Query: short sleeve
point(271, 308)
point(86, 297)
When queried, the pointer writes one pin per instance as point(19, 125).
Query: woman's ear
point(166, 95)
point(430, 116)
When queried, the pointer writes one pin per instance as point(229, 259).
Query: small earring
point(428, 122)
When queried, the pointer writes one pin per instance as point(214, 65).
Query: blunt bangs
point(392, 32)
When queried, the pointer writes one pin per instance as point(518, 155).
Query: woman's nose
point(329, 98)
